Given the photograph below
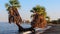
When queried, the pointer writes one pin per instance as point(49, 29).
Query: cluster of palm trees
point(38, 9)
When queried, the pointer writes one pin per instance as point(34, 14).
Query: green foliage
point(14, 3)
point(7, 5)
point(39, 10)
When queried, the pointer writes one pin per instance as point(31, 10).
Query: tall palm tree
point(39, 10)
point(13, 5)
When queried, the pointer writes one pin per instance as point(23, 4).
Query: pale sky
point(52, 8)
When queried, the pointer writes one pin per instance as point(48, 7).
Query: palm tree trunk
point(19, 27)
point(15, 18)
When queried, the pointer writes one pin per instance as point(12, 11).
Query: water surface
point(6, 28)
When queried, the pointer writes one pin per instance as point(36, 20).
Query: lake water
point(6, 28)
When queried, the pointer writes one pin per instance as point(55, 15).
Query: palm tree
point(13, 5)
point(39, 10)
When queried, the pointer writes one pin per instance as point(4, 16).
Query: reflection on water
point(6, 28)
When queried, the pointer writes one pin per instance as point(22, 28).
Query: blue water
point(6, 28)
